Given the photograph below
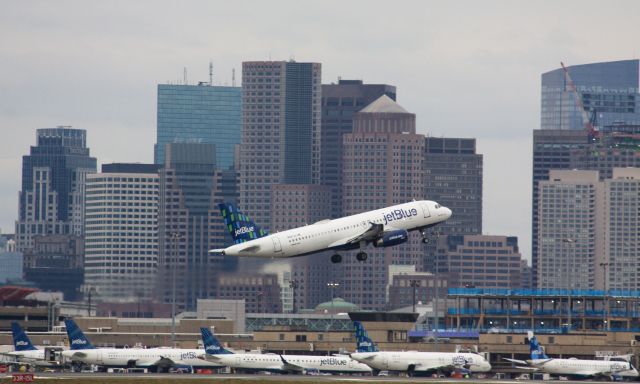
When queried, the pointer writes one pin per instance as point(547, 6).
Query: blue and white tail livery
point(363, 341)
point(241, 227)
point(211, 344)
point(536, 350)
point(21, 341)
point(77, 339)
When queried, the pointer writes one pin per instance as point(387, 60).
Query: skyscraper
point(53, 176)
point(280, 131)
point(199, 114)
point(121, 236)
point(608, 92)
point(383, 165)
point(189, 223)
point(339, 103)
point(453, 178)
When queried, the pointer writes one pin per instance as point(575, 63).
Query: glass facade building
point(199, 114)
point(53, 177)
point(609, 93)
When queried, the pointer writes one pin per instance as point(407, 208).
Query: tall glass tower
point(199, 114)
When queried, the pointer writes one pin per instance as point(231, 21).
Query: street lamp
point(570, 242)
point(175, 236)
point(293, 284)
point(332, 286)
point(605, 300)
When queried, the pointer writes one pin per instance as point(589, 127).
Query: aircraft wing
point(161, 362)
point(372, 233)
point(287, 366)
point(515, 361)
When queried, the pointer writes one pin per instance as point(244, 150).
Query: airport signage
point(22, 378)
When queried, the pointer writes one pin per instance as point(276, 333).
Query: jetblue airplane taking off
point(24, 350)
point(383, 228)
point(413, 362)
point(573, 367)
point(277, 363)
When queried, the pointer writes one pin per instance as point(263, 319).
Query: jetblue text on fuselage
point(399, 214)
point(332, 361)
point(243, 230)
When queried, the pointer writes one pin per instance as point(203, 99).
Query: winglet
point(21, 341)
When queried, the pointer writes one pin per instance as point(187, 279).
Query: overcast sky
point(466, 68)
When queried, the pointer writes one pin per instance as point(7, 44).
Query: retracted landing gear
point(361, 256)
point(336, 258)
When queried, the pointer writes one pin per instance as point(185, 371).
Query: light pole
point(570, 242)
point(174, 238)
point(605, 300)
point(414, 284)
point(332, 286)
point(293, 284)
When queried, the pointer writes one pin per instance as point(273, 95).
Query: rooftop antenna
point(233, 77)
point(185, 75)
point(211, 73)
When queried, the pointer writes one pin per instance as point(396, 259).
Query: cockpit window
point(438, 206)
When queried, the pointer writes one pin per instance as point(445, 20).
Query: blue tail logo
point(211, 345)
point(240, 226)
point(77, 339)
point(363, 341)
point(536, 349)
point(21, 341)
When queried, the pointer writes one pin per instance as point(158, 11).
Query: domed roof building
point(337, 305)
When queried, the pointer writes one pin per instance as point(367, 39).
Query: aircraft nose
point(447, 212)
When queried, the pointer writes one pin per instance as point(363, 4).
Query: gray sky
point(466, 68)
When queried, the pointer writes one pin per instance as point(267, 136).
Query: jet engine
point(389, 238)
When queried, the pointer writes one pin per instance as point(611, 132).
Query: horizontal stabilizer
point(515, 361)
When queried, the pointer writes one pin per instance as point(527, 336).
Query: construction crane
point(586, 121)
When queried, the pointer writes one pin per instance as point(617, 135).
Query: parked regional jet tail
point(211, 344)
point(239, 225)
point(21, 341)
point(535, 348)
point(77, 339)
point(363, 341)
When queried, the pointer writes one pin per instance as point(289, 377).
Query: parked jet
point(277, 363)
point(155, 358)
point(383, 228)
point(24, 351)
point(413, 362)
point(573, 367)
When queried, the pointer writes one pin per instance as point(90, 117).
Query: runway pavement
point(124, 378)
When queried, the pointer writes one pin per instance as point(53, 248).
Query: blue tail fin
point(240, 226)
point(363, 341)
point(536, 349)
point(77, 339)
point(21, 341)
point(211, 345)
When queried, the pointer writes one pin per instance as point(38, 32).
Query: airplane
point(24, 351)
point(573, 367)
point(160, 359)
point(278, 363)
point(384, 227)
point(413, 362)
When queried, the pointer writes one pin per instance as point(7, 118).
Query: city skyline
point(462, 75)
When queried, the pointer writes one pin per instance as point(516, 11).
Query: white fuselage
point(584, 367)
point(332, 234)
point(272, 362)
point(140, 357)
point(422, 361)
